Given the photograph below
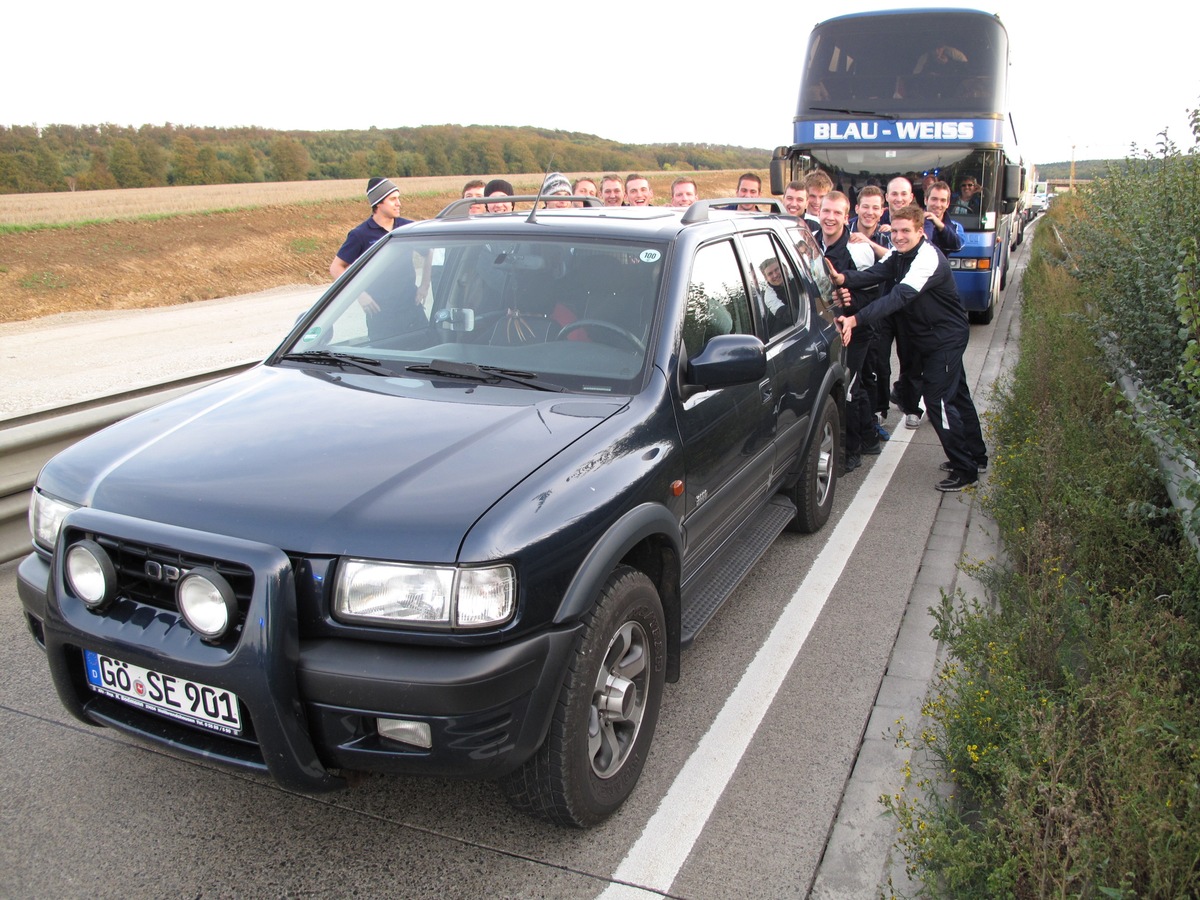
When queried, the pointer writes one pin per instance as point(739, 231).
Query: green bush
point(1060, 748)
point(1135, 244)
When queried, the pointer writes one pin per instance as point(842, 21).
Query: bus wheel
point(984, 317)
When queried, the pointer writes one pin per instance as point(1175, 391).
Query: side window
point(717, 301)
point(820, 286)
point(777, 288)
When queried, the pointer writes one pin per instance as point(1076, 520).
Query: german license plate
point(168, 695)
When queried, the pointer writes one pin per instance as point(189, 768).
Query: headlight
point(207, 602)
point(395, 593)
point(970, 264)
point(46, 514)
point(91, 574)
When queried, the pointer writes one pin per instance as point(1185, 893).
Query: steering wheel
point(606, 326)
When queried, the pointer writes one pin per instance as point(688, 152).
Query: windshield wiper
point(854, 112)
point(346, 360)
point(483, 374)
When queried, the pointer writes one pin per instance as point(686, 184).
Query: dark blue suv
point(464, 520)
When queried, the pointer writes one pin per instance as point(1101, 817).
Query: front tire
point(813, 493)
point(606, 713)
point(984, 317)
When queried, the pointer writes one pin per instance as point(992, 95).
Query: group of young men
point(633, 190)
point(888, 259)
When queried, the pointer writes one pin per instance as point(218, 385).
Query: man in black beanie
point(384, 198)
point(498, 187)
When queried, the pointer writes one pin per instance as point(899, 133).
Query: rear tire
point(813, 493)
point(606, 713)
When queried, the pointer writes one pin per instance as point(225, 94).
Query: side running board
point(721, 576)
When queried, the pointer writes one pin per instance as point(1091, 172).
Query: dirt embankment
point(181, 259)
point(130, 265)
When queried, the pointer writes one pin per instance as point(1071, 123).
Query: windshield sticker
point(649, 256)
point(312, 334)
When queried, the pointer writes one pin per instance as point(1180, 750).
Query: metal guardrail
point(27, 442)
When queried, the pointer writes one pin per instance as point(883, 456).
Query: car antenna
point(533, 212)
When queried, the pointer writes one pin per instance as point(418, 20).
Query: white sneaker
point(912, 421)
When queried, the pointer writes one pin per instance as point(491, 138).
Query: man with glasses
point(969, 198)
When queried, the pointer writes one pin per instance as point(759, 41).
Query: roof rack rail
point(461, 209)
point(698, 211)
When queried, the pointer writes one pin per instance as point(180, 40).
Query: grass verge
point(1062, 738)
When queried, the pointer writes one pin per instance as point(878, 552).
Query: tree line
point(94, 157)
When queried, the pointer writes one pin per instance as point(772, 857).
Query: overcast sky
point(1085, 76)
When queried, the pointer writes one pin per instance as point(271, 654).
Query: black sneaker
point(853, 461)
point(873, 449)
point(981, 466)
point(955, 482)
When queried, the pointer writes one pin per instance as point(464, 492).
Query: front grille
point(133, 582)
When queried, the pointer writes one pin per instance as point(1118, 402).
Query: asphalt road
point(763, 779)
point(71, 357)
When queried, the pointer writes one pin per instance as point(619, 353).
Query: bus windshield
point(931, 62)
point(973, 175)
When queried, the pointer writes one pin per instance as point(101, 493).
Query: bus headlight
point(970, 264)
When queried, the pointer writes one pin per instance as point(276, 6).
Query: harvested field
point(269, 238)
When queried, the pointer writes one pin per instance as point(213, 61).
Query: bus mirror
point(779, 175)
point(1012, 183)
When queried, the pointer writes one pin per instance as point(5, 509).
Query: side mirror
point(780, 170)
point(726, 360)
point(1012, 184)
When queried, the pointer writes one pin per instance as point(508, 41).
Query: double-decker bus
point(916, 93)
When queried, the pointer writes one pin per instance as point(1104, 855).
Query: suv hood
point(326, 465)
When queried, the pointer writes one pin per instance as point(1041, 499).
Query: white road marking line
point(668, 838)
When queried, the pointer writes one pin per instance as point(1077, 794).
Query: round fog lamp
point(91, 574)
point(207, 603)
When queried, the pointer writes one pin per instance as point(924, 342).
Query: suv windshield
point(574, 312)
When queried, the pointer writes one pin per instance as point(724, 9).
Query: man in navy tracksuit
point(937, 325)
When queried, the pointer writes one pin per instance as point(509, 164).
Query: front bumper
point(310, 705)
